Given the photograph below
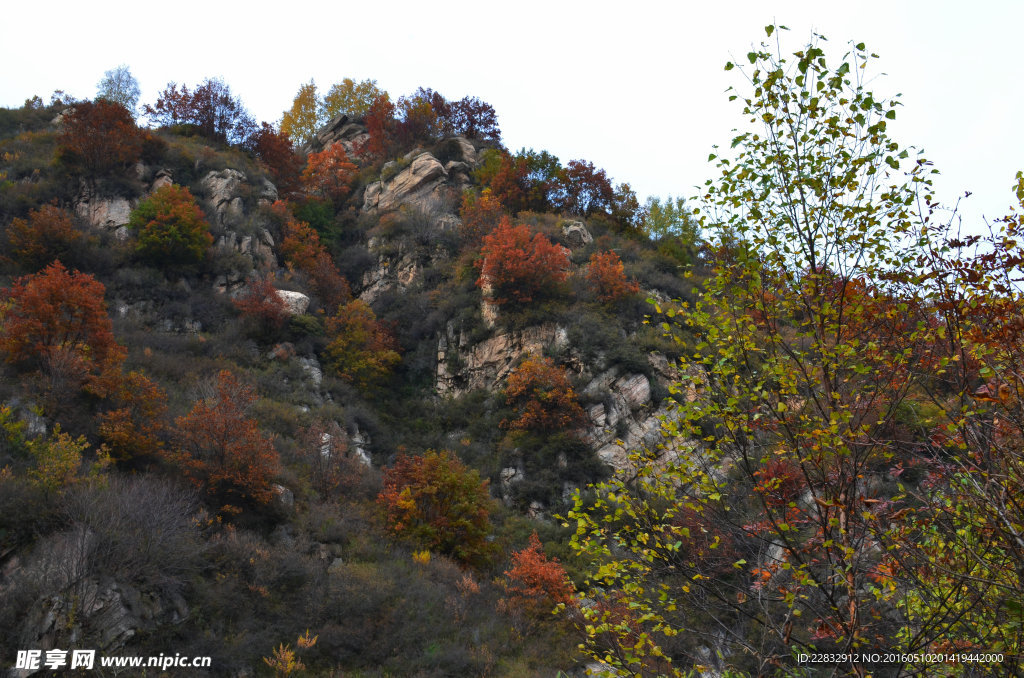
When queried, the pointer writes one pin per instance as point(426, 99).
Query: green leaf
point(729, 65)
point(769, 30)
point(752, 56)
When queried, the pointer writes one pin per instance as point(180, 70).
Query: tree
point(474, 119)
point(275, 150)
point(380, 123)
point(361, 350)
point(305, 254)
point(262, 305)
point(519, 265)
point(671, 225)
point(57, 314)
point(809, 338)
point(48, 234)
point(351, 98)
point(216, 113)
point(222, 449)
point(120, 86)
point(439, 504)
point(479, 215)
point(171, 228)
point(99, 138)
point(542, 397)
point(586, 189)
point(607, 277)
point(535, 585)
point(329, 173)
point(132, 429)
point(304, 118)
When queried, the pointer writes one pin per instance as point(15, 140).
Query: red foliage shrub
point(48, 234)
point(304, 253)
point(99, 138)
point(479, 214)
point(520, 266)
point(261, 304)
point(131, 429)
point(534, 585)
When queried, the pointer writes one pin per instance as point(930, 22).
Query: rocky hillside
point(206, 468)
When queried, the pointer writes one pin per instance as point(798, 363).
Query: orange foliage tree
point(607, 277)
point(438, 503)
point(222, 450)
point(99, 138)
point(131, 430)
point(535, 585)
point(57, 313)
point(520, 265)
point(361, 350)
point(48, 234)
point(380, 122)
point(329, 173)
point(542, 397)
point(304, 253)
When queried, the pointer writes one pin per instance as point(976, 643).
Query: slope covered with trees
point(378, 383)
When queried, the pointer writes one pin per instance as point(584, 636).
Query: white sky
point(636, 87)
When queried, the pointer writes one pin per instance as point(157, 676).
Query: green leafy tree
point(172, 230)
point(810, 331)
point(361, 350)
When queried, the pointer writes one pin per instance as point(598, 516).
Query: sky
point(638, 88)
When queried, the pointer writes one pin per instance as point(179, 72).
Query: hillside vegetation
point(365, 393)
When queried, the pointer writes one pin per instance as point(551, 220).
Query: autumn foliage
point(479, 214)
point(520, 265)
point(222, 450)
point(534, 584)
point(607, 277)
point(210, 107)
point(542, 397)
point(261, 303)
point(305, 254)
point(276, 151)
point(54, 313)
point(172, 230)
point(438, 503)
point(329, 173)
point(48, 234)
point(99, 138)
point(132, 429)
point(362, 350)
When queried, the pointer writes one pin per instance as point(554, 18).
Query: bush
point(173, 231)
point(438, 504)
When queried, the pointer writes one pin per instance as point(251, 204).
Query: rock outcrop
point(350, 133)
point(226, 190)
point(462, 368)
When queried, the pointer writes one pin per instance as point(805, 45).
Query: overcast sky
point(636, 87)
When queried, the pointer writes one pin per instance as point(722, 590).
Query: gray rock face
point(105, 213)
point(226, 190)
point(258, 248)
point(414, 185)
point(462, 368)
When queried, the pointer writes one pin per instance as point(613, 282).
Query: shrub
point(361, 351)
point(439, 504)
point(542, 397)
point(329, 174)
point(535, 585)
point(48, 234)
point(520, 266)
point(99, 138)
point(607, 277)
point(173, 231)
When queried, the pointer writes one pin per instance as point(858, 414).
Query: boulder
point(577, 235)
point(105, 213)
point(295, 303)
